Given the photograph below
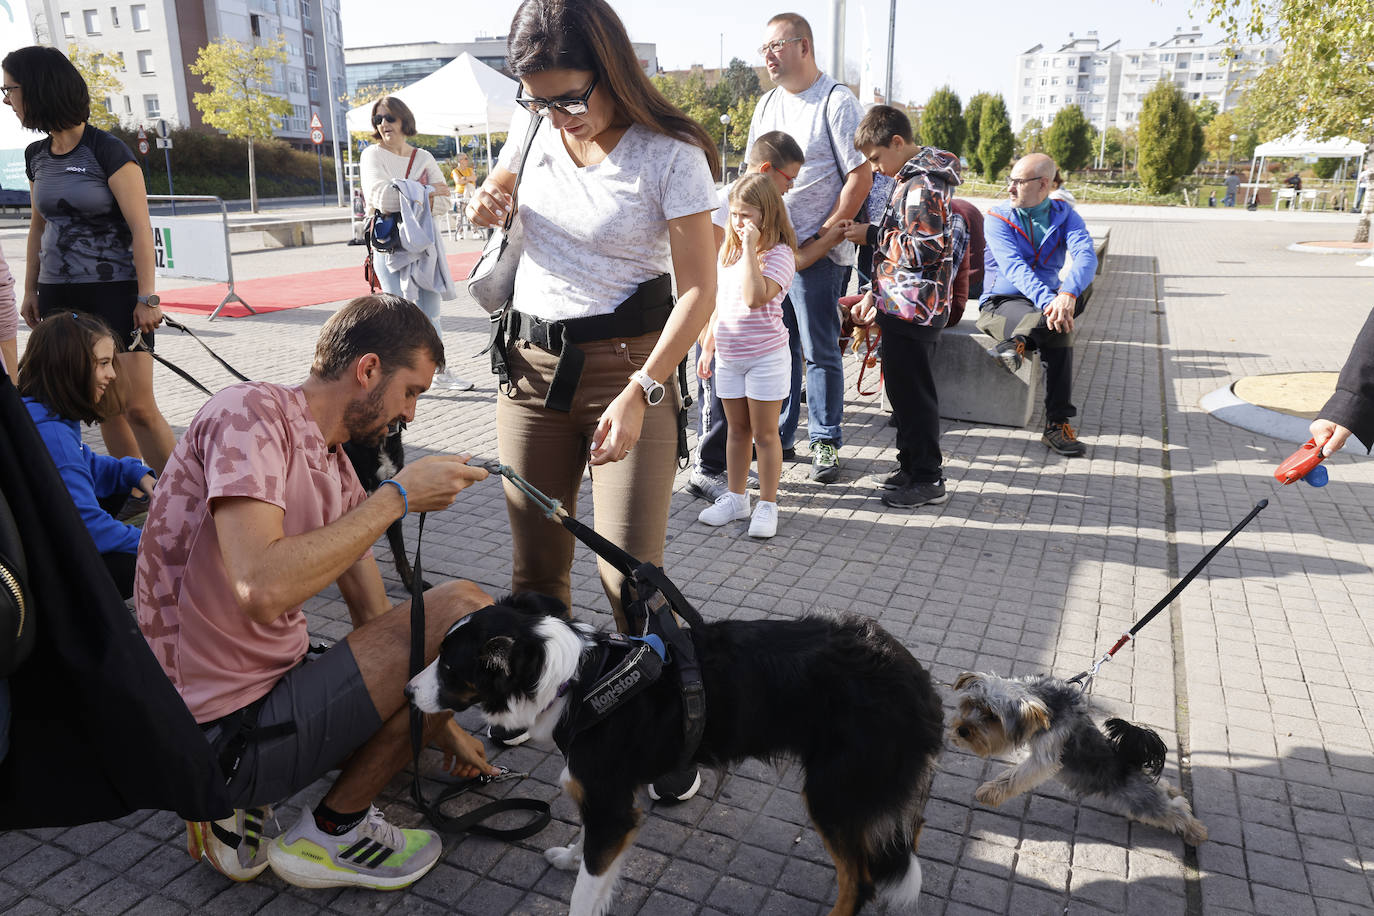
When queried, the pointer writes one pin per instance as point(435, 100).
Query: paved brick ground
point(1035, 564)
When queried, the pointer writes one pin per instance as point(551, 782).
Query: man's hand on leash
point(1059, 313)
point(464, 755)
point(864, 311)
point(433, 482)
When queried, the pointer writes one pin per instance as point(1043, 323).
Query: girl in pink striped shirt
point(753, 362)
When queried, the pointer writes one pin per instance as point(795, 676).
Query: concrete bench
point(287, 233)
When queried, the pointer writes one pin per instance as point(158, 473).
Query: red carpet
point(291, 291)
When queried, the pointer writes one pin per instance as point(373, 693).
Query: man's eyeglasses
point(776, 46)
point(1015, 182)
point(379, 118)
point(7, 90)
point(573, 106)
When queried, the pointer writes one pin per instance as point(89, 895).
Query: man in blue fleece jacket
point(1025, 304)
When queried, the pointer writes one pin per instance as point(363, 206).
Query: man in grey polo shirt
point(822, 115)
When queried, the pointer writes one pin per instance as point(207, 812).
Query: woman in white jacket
point(392, 158)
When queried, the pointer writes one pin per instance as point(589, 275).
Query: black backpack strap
point(471, 822)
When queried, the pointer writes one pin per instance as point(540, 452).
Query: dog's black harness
point(634, 662)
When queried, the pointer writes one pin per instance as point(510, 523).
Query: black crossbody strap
point(471, 822)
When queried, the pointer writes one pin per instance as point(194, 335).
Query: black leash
point(138, 344)
point(471, 822)
point(1084, 678)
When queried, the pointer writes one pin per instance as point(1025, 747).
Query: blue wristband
point(405, 497)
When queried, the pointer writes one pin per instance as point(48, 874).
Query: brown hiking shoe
point(1060, 437)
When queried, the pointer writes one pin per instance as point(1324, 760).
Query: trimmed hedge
point(204, 163)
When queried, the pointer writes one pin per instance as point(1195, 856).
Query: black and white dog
point(841, 696)
point(373, 464)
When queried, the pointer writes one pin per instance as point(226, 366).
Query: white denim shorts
point(762, 378)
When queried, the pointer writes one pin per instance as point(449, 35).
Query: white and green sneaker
point(234, 846)
point(373, 854)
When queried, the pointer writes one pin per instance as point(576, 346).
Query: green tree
point(1069, 139)
point(942, 123)
point(1031, 139)
point(98, 70)
point(740, 81)
point(994, 137)
point(973, 122)
point(1323, 82)
point(239, 101)
point(1199, 147)
point(1166, 138)
point(1114, 148)
point(1205, 110)
point(1326, 168)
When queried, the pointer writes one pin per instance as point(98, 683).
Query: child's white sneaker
point(764, 524)
point(728, 507)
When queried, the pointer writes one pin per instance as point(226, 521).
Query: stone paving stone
point(1035, 564)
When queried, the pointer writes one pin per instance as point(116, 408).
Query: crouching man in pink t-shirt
point(257, 511)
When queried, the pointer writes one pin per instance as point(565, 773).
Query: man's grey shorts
point(334, 715)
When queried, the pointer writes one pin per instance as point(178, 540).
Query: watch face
point(150, 299)
point(654, 395)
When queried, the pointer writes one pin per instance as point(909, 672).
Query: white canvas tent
point(463, 96)
point(1299, 144)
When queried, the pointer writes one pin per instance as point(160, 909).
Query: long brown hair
point(757, 190)
point(588, 35)
point(58, 367)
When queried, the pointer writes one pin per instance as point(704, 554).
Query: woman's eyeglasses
point(379, 118)
point(7, 90)
point(573, 106)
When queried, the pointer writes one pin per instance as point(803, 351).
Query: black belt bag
point(646, 311)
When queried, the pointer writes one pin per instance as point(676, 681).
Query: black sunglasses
point(574, 106)
point(388, 118)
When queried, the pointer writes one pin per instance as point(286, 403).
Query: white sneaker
point(728, 507)
point(451, 382)
point(764, 524)
point(235, 846)
point(373, 854)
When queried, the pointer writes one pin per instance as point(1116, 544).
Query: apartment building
point(157, 40)
point(1109, 82)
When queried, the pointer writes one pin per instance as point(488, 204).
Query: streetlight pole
point(724, 133)
point(1231, 156)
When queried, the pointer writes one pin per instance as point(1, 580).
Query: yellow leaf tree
point(240, 102)
point(98, 70)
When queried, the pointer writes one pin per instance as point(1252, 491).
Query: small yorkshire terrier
point(1051, 718)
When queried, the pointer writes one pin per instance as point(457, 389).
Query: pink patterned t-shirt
point(744, 333)
point(255, 440)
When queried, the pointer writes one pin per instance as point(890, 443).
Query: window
point(1025, 100)
point(309, 51)
point(255, 24)
point(67, 25)
point(151, 107)
point(1029, 64)
point(145, 62)
point(1045, 62)
point(128, 106)
point(298, 121)
point(92, 20)
point(1044, 81)
point(1054, 81)
point(123, 67)
point(1165, 58)
point(294, 81)
point(305, 14)
point(1054, 99)
point(114, 17)
point(1197, 76)
point(109, 104)
point(314, 86)
point(139, 14)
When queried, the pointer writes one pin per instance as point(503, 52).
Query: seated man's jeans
point(815, 311)
point(1004, 317)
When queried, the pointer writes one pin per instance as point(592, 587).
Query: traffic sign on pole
point(315, 122)
point(316, 136)
point(142, 141)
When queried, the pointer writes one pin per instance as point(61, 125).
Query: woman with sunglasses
point(617, 191)
point(391, 158)
point(90, 246)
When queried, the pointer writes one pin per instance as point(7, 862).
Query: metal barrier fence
point(195, 248)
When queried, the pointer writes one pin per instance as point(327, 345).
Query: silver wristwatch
point(653, 391)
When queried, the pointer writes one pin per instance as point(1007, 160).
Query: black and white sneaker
point(896, 480)
point(916, 494)
point(677, 787)
point(507, 737)
point(706, 486)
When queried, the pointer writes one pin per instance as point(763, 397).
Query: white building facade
point(157, 41)
point(1109, 83)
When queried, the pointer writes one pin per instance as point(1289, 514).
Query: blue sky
point(973, 53)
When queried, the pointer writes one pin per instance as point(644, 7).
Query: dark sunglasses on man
point(573, 106)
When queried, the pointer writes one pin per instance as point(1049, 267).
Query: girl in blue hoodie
point(67, 378)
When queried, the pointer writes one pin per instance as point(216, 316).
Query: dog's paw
point(1194, 832)
point(990, 794)
point(565, 858)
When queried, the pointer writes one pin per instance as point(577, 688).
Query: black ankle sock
point(336, 823)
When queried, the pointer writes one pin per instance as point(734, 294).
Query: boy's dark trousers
point(908, 354)
point(712, 430)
